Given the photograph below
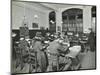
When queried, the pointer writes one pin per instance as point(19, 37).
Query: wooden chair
point(32, 60)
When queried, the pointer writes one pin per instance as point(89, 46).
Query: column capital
point(58, 10)
point(89, 7)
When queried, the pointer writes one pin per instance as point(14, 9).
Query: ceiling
point(45, 6)
point(56, 6)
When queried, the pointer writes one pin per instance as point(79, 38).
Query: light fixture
point(14, 34)
point(24, 22)
point(61, 22)
point(35, 16)
point(52, 21)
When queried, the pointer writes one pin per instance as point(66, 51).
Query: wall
point(94, 24)
point(18, 12)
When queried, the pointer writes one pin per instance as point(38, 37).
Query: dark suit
point(91, 41)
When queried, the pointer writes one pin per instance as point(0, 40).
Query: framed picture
point(34, 25)
point(45, 50)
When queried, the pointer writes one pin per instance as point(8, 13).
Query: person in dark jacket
point(91, 40)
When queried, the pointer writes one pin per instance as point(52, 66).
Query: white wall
point(18, 12)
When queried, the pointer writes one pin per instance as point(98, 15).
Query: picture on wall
point(35, 25)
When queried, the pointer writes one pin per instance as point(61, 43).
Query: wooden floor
point(87, 62)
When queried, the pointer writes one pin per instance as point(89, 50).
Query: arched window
point(52, 21)
point(72, 20)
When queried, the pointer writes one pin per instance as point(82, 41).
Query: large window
point(72, 20)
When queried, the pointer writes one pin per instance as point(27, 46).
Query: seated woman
point(41, 60)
